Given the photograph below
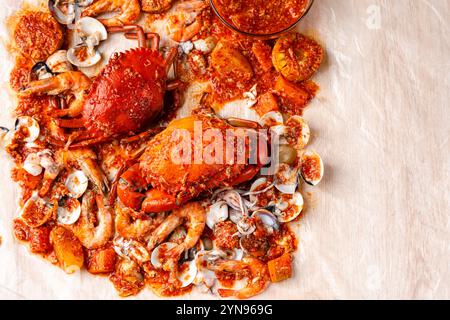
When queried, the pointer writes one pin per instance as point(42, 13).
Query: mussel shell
point(66, 16)
point(69, 211)
point(312, 168)
point(155, 256)
point(77, 183)
point(40, 71)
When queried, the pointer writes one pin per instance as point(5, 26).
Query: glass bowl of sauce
point(263, 19)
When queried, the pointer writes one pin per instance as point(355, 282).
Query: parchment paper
point(378, 225)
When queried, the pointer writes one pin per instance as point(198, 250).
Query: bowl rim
point(254, 35)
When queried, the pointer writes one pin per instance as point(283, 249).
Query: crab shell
point(127, 94)
point(188, 180)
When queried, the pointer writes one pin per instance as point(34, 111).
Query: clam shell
point(188, 273)
point(88, 26)
point(155, 256)
point(271, 119)
point(298, 127)
point(88, 62)
point(288, 212)
point(312, 168)
point(31, 124)
point(268, 219)
point(69, 211)
point(63, 13)
point(217, 212)
point(32, 164)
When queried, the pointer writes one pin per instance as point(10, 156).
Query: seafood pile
point(93, 155)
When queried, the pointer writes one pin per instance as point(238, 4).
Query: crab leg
point(136, 28)
point(149, 36)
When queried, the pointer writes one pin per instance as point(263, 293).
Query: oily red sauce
point(261, 16)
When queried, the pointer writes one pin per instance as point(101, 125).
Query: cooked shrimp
point(195, 215)
point(129, 11)
point(92, 236)
point(128, 227)
point(184, 23)
point(71, 82)
point(255, 270)
point(86, 159)
point(156, 6)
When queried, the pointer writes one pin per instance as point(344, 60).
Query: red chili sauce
point(261, 16)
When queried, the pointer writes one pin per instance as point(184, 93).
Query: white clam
point(286, 179)
point(58, 62)
point(77, 183)
point(271, 119)
point(156, 258)
point(91, 32)
point(269, 220)
point(288, 210)
point(218, 212)
point(312, 168)
point(31, 124)
point(88, 27)
point(32, 164)
point(259, 186)
point(63, 11)
point(69, 210)
point(188, 273)
point(73, 55)
point(298, 127)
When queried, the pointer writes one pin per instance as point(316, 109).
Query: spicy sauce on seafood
point(261, 16)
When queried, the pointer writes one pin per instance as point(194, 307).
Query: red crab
point(124, 98)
